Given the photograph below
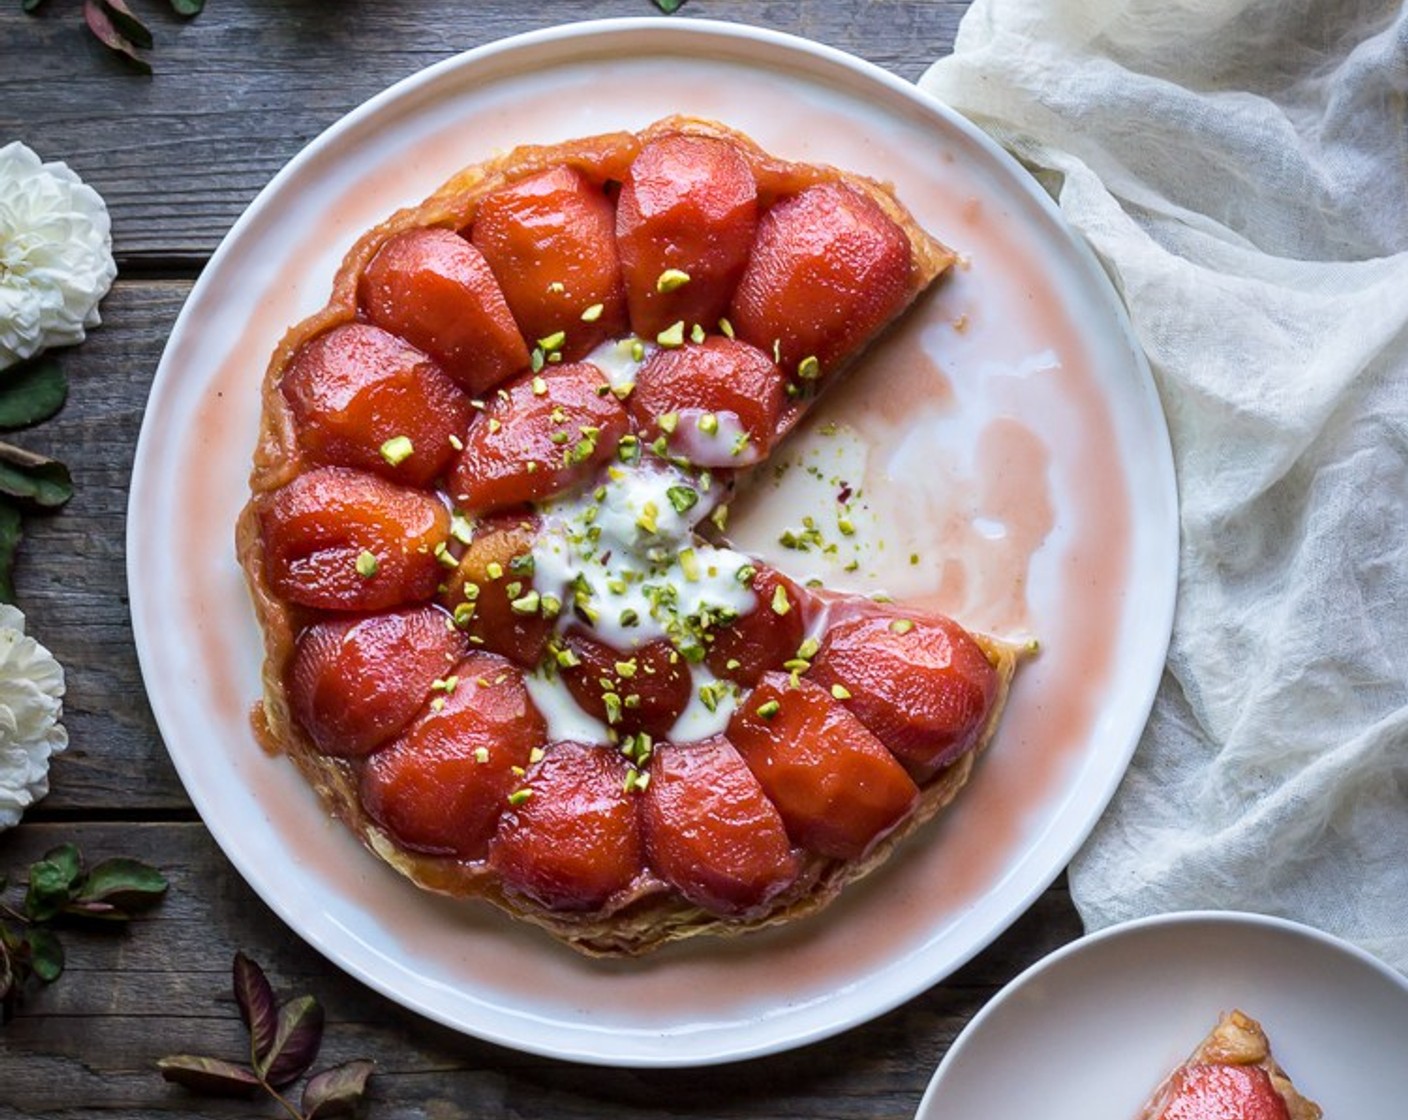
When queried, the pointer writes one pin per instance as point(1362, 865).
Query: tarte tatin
point(506, 640)
point(1232, 1075)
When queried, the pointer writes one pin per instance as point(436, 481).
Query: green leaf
point(210, 1077)
point(11, 530)
point(336, 1091)
point(7, 972)
point(34, 479)
point(46, 955)
point(50, 883)
point(128, 883)
point(32, 391)
point(669, 7)
point(188, 7)
point(67, 859)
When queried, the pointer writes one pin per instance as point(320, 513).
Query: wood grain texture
point(241, 88)
point(88, 1043)
point(71, 575)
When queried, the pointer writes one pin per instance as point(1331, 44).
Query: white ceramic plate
point(1028, 458)
point(1089, 1032)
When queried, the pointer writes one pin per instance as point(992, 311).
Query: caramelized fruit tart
point(1230, 1076)
point(487, 541)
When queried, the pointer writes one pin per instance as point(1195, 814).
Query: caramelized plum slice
point(573, 839)
point(711, 832)
point(355, 682)
point(539, 435)
point(363, 398)
point(725, 397)
point(442, 786)
point(1223, 1092)
point(685, 221)
point(434, 289)
point(829, 268)
point(491, 593)
point(551, 242)
point(643, 690)
point(766, 636)
point(920, 683)
point(837, 787)
point(340, 540)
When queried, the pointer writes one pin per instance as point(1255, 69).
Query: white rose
point(55, 255)
point(31, 704)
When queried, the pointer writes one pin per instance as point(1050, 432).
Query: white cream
point(623, 559)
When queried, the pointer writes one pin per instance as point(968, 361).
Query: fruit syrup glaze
point(973, 503)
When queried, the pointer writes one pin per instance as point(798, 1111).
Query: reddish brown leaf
point(257, 1006)
point(210, 1077)
point(336, 1091)
point(99, 22)
point(296, 1041)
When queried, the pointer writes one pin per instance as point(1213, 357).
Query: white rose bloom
point(31, 703)
point(55, 255)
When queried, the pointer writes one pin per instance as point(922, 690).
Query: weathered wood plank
point(239, 90)
point(70, 577)
point(87, 1044)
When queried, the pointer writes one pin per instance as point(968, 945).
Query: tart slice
point(1230, 1076)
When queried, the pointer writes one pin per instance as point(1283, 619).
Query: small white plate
point(1042, 408)
point(1089, 1032)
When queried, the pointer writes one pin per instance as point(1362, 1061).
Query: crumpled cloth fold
point(1240, 168)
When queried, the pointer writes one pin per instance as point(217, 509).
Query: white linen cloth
point(1240, 167)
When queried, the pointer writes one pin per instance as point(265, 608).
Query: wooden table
point(238, 91)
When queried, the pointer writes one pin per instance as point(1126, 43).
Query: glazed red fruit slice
point(551, 242)
point(711, 832)
point(363, 398)
point(491, 594)
point(920, 683)
point(766, 636)
point(735, 384)
point(684, 225)
point(1219, 1092)
point(829, 269)
point(434, 289)
point(539, 435)
point(643, 690)
point(574, 840)
point(442, 786)
point(355, 682)
point(341, 540)
point(837, 787)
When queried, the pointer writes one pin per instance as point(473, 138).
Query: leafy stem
point(119, 29)
point(284, 1040)
point(62, 888)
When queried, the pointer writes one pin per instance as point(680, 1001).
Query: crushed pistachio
point(397, 450)
point(770, 709)
point(780, 603)
point(367, 564)
point(672, 337)
point(519, 796)
point(809, 369)
point(671, 279)
point(593, 313)
point(901, 626)
point(553, 342)
point(840, 691)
